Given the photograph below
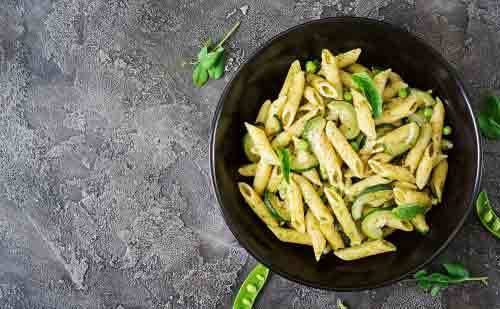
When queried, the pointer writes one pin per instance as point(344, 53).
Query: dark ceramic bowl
point(261, 77)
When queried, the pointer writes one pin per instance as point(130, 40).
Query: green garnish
point(489, 119)
point(404, 92)
point(447, 130)
point(211, 63)
point(428, 112)
point(366, 84)
point(355, 145)
point(408, 211)
point(487, 215)
point(275, 209)
point(455, 274)
point(284, 156)
point(312, 66)
point(348, 96)
point(251, 287)
point(446, 144)
point(341, 305)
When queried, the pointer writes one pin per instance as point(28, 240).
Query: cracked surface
point(105, 199)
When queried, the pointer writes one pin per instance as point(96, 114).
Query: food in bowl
point(344, 157)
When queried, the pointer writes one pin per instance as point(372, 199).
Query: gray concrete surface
point(104, 191)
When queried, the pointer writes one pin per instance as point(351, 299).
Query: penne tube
point(383, 157)
point(262, 145)
point(437, 121)
point(273, 122)
point(332, 235)
point(420, 224)
point(313, 200)
point(344, 149)
point(348, 58)
point(275, 179)
point(262, 115)
point(346, 79)
point(313, 96)
point(395, 84)
point(407, 196)
point(364, 115)
point(404, 185)
point(291, 236)
point(262, 175)
point(415, 154)
point(380, 80)
point(313, 176)
point(285, 137)
point(294, 68)
point(248, 170)
point(369, 248)
point(425, 166)
point(317, 238)
point(324, 87)
point(343, 216)
point(346, 114)
point(438, 179)
point(391, 171)
point(256, 204)
point(293, 99)
point(357, 68)
point(331, 71)
point(397, 109)
point(296, 207)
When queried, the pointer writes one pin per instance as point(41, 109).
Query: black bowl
point(261, 77)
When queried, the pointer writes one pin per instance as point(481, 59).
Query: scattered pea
point(251, 287)
point(348, 96)
point(447, 130)
point(355, 145)
point(403, 92)
point(312, 66)
point(428, 112)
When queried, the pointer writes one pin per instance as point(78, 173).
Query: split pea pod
point(251, 287)
point(486, 215)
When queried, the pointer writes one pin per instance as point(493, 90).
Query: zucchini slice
point(374, 196)
point(303, 161)
point(374, 222)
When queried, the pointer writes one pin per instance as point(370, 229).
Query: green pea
point(447, 130)
point(446, 144)
point(428, 112)
point(251, 287)
point(486, 215)
point(312, 66)
point(355, 145)
point(348, 96)
point(403, 92)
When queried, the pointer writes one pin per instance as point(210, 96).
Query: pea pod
point(366, 84)
point(251, 287)
point(486, 215)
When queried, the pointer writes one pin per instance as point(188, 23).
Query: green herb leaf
point(420, 274)
point(435, 290)
point(424, 284)
point(456, 270)
point(284, 155)
point(200, 75)
point(202, 53)
point(211, 58)
point(366, 84)
point(493, 107)
point(217, 70)
point(408, 211)
point(486, 127)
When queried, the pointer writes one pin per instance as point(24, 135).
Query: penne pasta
point(408, 196)
point(275, 179)
point(273, 122)
point(331, 71)
point(437, 121)
point(324, 87)
point(346, 79)
point(332, 235)
point(256, 204)
point(262, 115)
point(366, 249)
point(348, 58)
point(397, 109)
point(313, 200)
point(293, 99)
point(357, 68)
point(415, 154)
point(313, 176)
point(291, 236)
point(248, 170)
point(343, 216)
point(395, 84)
point(425, 166)
point(420, 224)
point(346, 114)
point(313, 96)
point(438, 179)
point(285, 137)
point(294, 68)
point(380, 79)
point(344, 149)
point(364, 115)
point(262, 175)
point(296, 207)
point(262, 145)
point(317, 238)
point(391, 171)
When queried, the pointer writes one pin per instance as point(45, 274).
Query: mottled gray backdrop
point(104, 189)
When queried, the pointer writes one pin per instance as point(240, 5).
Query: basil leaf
point(408, 211)
point(200, 75)
point(424, 284)
point(439, 278)
point(420, 274)
point(456, 270)
point(211, 58)
point(203, 53)
point(493, 107)
point(435, 290)
point(488, 127)
point(284, 155)
point(366, 84)
point(217, 70)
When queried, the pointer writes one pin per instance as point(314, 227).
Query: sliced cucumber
point(249, 149)
point(375, 196)
point(313, 126)
point(300, 144)
point(374, 222)
point(303, 161)
point(276, 208)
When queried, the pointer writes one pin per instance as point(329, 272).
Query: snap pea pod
point(251, 287)
point(486, 215)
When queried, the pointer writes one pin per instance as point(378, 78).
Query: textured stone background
point(105, 198)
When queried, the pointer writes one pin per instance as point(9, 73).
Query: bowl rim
point(213, 130)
